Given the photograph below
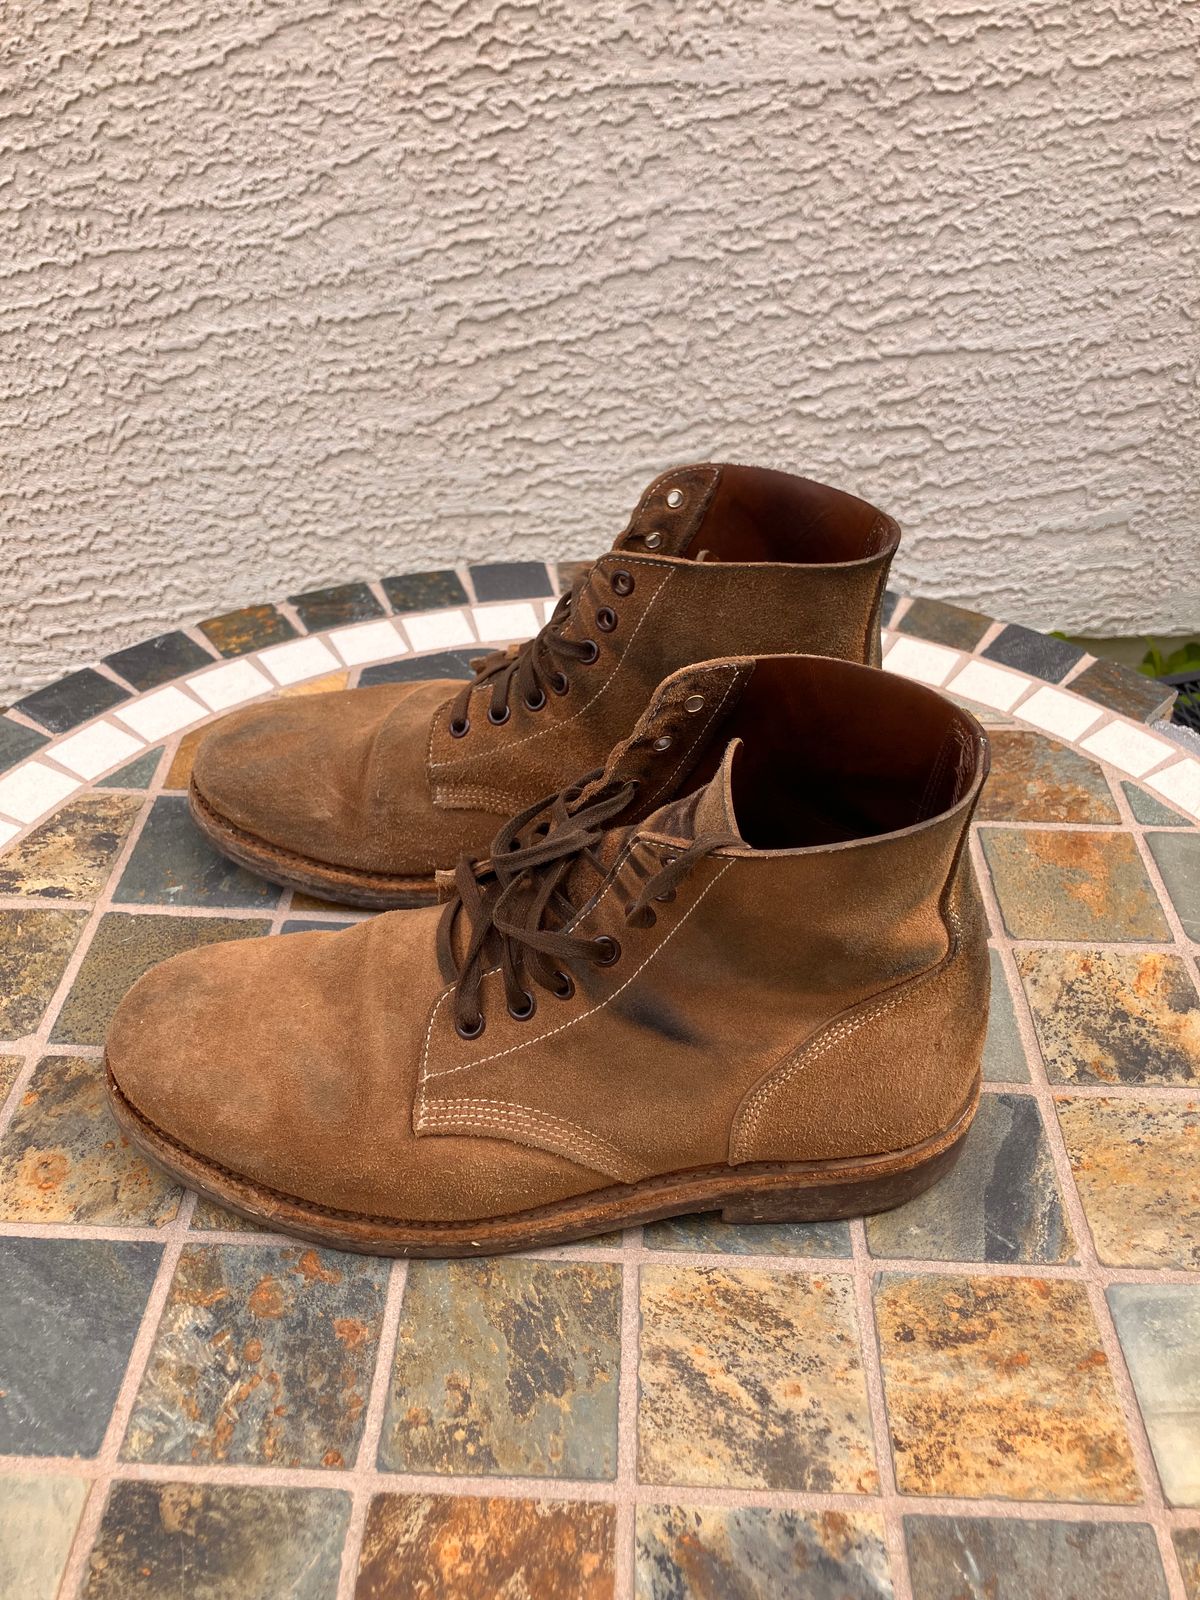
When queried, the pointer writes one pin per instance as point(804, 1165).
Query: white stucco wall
point(296, 290)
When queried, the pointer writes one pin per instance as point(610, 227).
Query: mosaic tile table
point(993, 1392)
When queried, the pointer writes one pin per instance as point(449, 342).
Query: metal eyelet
point(498, 722)
point(560, 683)
point(694, 703)
point(666, 896)
point(535, 705)
point(663, 742)
point(622, 582)
point(606, 619)
point(526, 1011)
point(565, 987)
point(460, 726)
point(675, 498)
point(593, 653)
point(465, 1032)
point(653, 540)
point(607, 950)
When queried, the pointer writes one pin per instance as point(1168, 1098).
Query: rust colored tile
point(999, 1388)
point(1067, 885)
point(35, 947)
point(252, 628)
point(437, 1547)
point(179, 773)
point(9, 1067)
point(1035, 779)
point(752, 1380)
point(1113, 1016)
point(329, 684)
point(1137, 1168)
point(70, 856)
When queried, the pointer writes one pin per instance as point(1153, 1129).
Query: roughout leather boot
point(743, 971)
point(363, 796)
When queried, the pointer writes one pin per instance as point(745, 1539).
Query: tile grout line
point(626, 1481)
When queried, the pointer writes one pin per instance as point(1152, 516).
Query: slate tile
point(35, 947)
point(708, 1233)
point(63, 1158)
point(1113, 1016)
point(69, 856)
point(511, 580)
point(999, 1203)
point(1123, 689)
point(999, 1388)
point(158, 661)
point(1036, 653)
point(179, 773)
point(77, 698)
point(943, 623)
point(138, 774)
point(1060, 884)
point(567, 573)
point(124, 946)
point(335, 606)
point(425, 591)
point(189, 1541)
point(1003, 1053)
point(68, 1317)
point(888, 609)
point(1177, 856)
point(1035, 779)
point(303, 925)
point(10, 1066)
point(1137, 1168)
point(752, 1553)
point(208, 1217)
point(236, 633)
point(752, 1379)
point(17, 741)
point(1151, 811)
point(989, 1558)
point(172, 865)
point(38, 1518)
point(1187, 1552)
point(263, 1356)
point(1159, 1329)
point(446, 664)
point(327, 683)
point(446, 1548)
point(506, 1366)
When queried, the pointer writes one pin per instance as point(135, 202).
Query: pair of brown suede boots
point(735, 962)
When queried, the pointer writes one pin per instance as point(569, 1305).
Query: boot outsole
point(798, 1191)
point(368, 891)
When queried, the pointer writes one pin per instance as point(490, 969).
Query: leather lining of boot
point(757, 515)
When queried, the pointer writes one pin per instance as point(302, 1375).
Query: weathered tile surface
point(1159, 1329)
point(70, 856)
point(1003, 1053)
point(506, 1366)
point(179, 773)
point(708, 1233)
point(751, 1553)
point(1187, 1551)
point(251, 628)
point(264, 1355)
point(1137, 1168)
point(17, 741)
point(157, 661)
point(1000, 1202)
point(511, 580)
point(445, 664)
point(38, 1518)
point(327, 683)
point(437, 1547)
point(1061, 884)
point(68, 1316)
point(68, 701)
point(136, 774)
point(425, 591)
point(1033, 652)
point(334, 607)
point(752, 1380)
point(125, 946)
point(944, 624)
point(1113, 1016)
point(1122, 689)
point(63, 1158)
point(184, 1541)
point(988, 1558)
point(172, 864)
point(999, 1388)
point(9, 1067)
point(1035, 779)
point(35, 947)
point(1177, 856)
point(1149, 809)
point(208, 1217)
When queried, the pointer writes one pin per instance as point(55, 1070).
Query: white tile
point(1131, 749)
point(497, 624)
point(8, 830)
point(368, 641)
point(161, 712)
point(1066, 716)
point(230, 685)
point(94, 750)
point(433, 630)
point(32, 789)
point(989, 686)
point(916, 658)
point(1180, 784)
point(297, 660)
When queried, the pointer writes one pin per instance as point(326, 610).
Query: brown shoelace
point(520, 915)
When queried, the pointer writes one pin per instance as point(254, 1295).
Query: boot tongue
point(668, 516)
point(707, 810)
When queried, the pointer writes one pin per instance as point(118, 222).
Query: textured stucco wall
point(295, 290)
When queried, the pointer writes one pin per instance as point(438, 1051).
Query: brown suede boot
point(743, 972)
point(363, 796)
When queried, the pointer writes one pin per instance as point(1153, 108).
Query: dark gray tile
point(707, 1233)
point(250, 628)
point(446, 664)
point(137, 775)
point(993, 1558)
point(1151, 811)
point(888, 609)
point(71, 700)
point(311, 925)
point(1177, 856)
point(1124, 690)
point(16, 742)
point(1003, 1053)
point(172, 865)
point(425, 591)
point(1187, 1550)
point(1033, 652)
point(942, 623)
point(336, 606)
point(157, 661)
point(68, 1317)
point(185, 1541)
point(511, 580)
